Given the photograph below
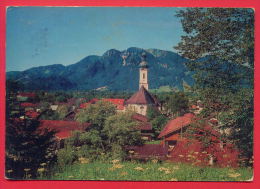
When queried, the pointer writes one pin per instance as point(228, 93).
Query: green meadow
point(150, 171)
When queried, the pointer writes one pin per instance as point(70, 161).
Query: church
point(142, 99)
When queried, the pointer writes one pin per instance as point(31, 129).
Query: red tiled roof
point(177, 123)
point(64, 128)
point(142, 97)
point(194, 107)
point(116, 101)
point(86, 104)
point(32, 114)
point(28, 104)
point(32, 95)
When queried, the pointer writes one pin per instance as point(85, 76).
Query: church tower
point(143, 78)
point(142, 99)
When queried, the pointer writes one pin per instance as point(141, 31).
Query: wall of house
point(138, 108)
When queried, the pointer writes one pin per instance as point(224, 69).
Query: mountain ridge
point(118, 70)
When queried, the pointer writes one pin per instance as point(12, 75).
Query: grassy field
point(152, 171)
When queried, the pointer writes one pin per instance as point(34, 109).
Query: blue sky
point(38, 36)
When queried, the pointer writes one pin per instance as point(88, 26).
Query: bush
point(27, 147)
point(194, 152)
point(66, 156)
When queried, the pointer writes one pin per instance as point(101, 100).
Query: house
point(32, 114)
point(64, 129)
point(86, 104)
point(173, 130)
point(23, 97)
point(54, 107)
point(143, 125)
point(147, 152)
point(28, 106)
point(118, 102)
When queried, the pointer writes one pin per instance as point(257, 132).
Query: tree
point(62, 111)
point(121, 131)
point(108, 134)
point(219, 43)
point(177, 103)
point(226, 33)
point(96, 114)
point(27, 147)
point(157, 119)
point(240, 120)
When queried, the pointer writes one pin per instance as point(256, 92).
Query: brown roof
point(64, 129)
point(176, 124)
point(143, 123)
point(139, 117)
point(142, 97)
point(144, 126)
point(148, 151)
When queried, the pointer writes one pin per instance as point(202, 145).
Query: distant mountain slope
point(110, 70)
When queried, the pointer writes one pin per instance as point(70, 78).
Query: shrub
point(195, 153)
point(66, 156)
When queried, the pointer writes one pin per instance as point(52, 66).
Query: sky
point(39, 36)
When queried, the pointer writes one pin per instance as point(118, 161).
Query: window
point(143, 75)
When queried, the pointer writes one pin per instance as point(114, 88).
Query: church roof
point(142, 97)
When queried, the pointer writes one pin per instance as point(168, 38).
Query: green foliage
point(120, 130)
point(66, 156)
point(226, 33)
point(240, 120)
point(62, 111)
point(157, 119)
point(220, 44)
point(91, 138)
point(13, 86)
point(96, 114)
point(108, 134)
point(177, 103)
point(152, 113)
point(27, 147)
point(222, 57)
point(198, 131)
point(158, 123)
point(150, 171)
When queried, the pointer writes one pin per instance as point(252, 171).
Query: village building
point(144, 126)
point(147, 152)
point(23, 96)
point(118, 102)
point(174, 129)
point(142, 99)
point(63, 129)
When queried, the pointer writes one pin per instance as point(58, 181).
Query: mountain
point(114, 70)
